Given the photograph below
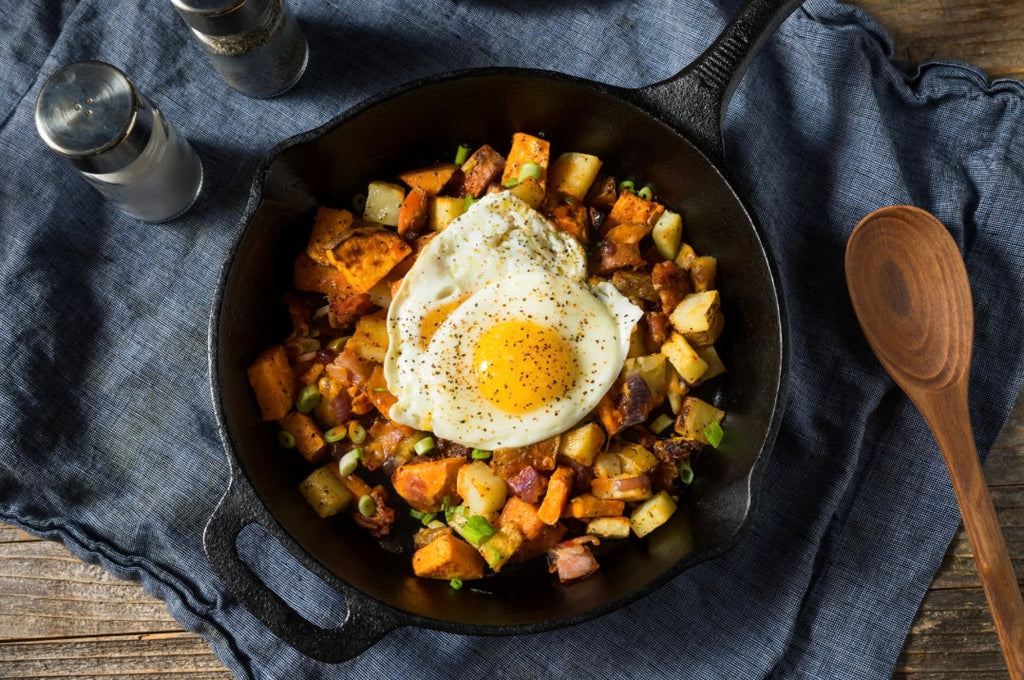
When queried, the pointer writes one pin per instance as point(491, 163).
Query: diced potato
point(699, 317)
point(499, 548)
point(684, 358)
point(622, 487)
point(383, 203)
point(482, 491)
point(694, 417)
point(573, 173)
point(668, 234)
point(273, 382)
point(424, 485)
point(710, 356)
point(702, 273)
point(652, 513)
point(368, 255)
point(529, 191)
point(447, 557)
point(609, 527)
point(637, 343)
point(431, 180)
point(653, 368)
point(325, 492)
point(685, 256)
point(588, 505)
point(527, 149)
point(369, 340)
point(634, 458)
point(607, 464)
point(559, 487)
point(444, 209)
point(582, 444)
point(308, 439)
point(675, 389)
point(329, 227)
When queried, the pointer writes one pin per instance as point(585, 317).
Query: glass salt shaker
point(255, 45)
point(90, 113)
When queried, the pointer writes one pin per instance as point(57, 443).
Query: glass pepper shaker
point(255, 45)
point(90, 113)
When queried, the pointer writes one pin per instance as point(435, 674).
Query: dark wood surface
point(60, 618)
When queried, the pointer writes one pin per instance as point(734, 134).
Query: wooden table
point(62, 618)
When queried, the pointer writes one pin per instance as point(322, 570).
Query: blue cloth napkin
point(107, 436)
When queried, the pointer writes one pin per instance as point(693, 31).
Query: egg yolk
point(437, 316)
point(520, 365)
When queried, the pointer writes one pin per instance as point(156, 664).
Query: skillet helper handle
point(366, 620)
point(694, 100)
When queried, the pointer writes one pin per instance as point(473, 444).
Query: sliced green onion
point(415, 514)
point(713, 432)
point(367, 506)
point(477, 529)
point(529, 171)
point(685, 472)
point(348, 463)
point(425, 445)
point(447, 509)
point(335, 434)
point(308, 398)
point(646, 192)
point(468, 201)
point(455, 583)
point(337, 344)
point(359, 202)
point(661, 423)
point(286, 439)
point(626, 185)
point(461, 154)
point(356, 432)
point(427, 518)
point(511, 182)
point(380, 389)
point(480, 454)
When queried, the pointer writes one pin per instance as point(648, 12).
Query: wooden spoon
point(909, 289)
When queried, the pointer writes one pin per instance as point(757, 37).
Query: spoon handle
point(947, 415)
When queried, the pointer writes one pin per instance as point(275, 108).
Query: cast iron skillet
point(670, 133)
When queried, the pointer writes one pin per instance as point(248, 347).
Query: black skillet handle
point(694, 100)
point(367, 619)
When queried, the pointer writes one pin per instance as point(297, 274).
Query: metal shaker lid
point(91, 113)
point(223, 17)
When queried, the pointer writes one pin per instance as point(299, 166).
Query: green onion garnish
point(308, 398)
point(347, 464)
point(480, 454)
point(286, 439)
point(511, 182)
point(415, 514)
point(529, 170)
point(338, 343)
point(359, 202)
point(468, 201)
point(455, 583)
point(425, 445)
point(367, 506)
point(661, 423)
point(685, 472)
point(646, 192)
point(356, 432)
point(335, 434)
point(477, 529)
point(713, 432)
point(626, 185)
point(461, 154)
point(447, 509)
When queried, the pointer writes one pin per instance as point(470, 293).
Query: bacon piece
point(528, 484)
point(572, 559)
point(379, 523)
point(342, 312)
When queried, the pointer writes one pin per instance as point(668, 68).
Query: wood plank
point(169, 655)
point(9, 534)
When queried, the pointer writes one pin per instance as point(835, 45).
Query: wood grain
point(74, 626)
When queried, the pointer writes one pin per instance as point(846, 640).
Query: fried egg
point(495, 337)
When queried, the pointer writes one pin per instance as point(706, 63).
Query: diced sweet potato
point(414, 213)
point(365, 257)
point(273, 382)
point(308, 439)
point(318, 278)
point(329, 228)
point(671, 283)
point(573, 219)
point(510, 461)
point(342, 312)
point(526, 149)
point(448, 557)
point(610, 256)
point(588, 505)
point(524, 516)
point(631, 209)
point(431, 180)
point(425, 484)
point(353, 482)
point(628, 232)
point(377, 390)
point(559, 487)
point(481, 169)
